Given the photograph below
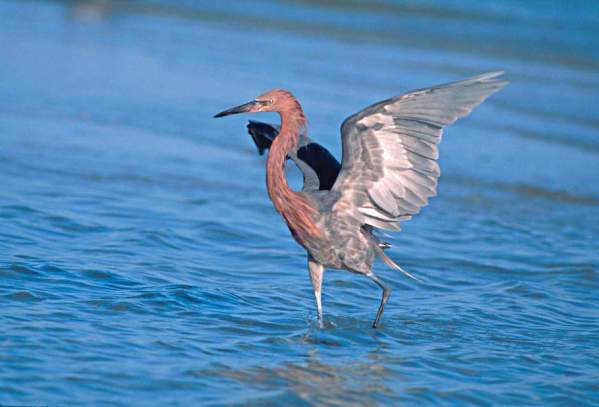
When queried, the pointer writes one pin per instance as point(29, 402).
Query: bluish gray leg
point(386, 294)
point(316, 274)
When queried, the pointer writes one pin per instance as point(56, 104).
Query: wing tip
point(487, 78)
point(492, 78)
point(491, 74)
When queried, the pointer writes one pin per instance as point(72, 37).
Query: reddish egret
point(388, 171)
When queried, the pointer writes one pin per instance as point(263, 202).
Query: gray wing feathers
point(389, 167)
point(311, 181)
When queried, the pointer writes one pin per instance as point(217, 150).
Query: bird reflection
point(356, 382)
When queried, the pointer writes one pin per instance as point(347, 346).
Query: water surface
point(142, 263)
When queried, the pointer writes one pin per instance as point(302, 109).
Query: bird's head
point(275, 100)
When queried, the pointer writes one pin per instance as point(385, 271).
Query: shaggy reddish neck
point(294, 207)
point(278, 188)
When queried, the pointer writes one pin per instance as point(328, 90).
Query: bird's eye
point(270, 101)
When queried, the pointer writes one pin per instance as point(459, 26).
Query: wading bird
point(388, 171)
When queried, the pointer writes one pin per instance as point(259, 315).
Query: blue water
point(141, 262)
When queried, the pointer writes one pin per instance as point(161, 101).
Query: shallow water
point(141, 261)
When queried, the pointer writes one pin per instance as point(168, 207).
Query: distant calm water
point(141, 262)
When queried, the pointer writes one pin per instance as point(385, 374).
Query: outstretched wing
point(389, 166)
point(318, 166)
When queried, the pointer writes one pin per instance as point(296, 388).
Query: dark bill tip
point(246, 107)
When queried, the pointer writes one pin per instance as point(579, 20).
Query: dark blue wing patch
point(314, 155)
point(322, 162)
point(263, 134)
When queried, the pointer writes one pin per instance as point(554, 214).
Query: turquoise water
point(141, 262)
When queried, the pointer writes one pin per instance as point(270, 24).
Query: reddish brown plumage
point(294, 207)
point(389, 171)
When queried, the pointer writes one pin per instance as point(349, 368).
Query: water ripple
point(142, 263)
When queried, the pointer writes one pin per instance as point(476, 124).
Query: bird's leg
point(316, 274)
point(386, 294)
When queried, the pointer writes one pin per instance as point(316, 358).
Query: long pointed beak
point(246, 107)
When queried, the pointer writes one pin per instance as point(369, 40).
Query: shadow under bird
point(387, 173)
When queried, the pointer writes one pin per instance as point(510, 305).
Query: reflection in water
point(316, 382)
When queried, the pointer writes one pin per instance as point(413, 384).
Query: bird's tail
point(394, 265)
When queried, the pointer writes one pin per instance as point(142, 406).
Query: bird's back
point(347, 243)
